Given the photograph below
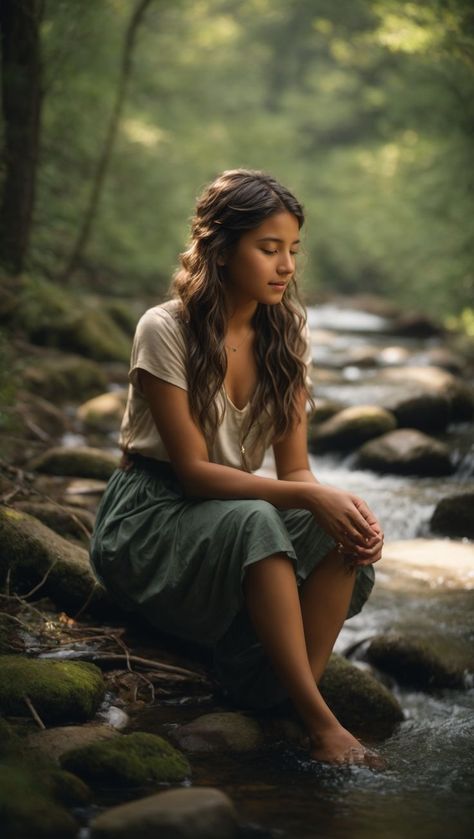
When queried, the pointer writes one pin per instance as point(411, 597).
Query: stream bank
point(423, 593)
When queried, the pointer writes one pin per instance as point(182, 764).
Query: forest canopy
point(365, 108)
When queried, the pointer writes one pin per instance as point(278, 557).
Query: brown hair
point(237, 201)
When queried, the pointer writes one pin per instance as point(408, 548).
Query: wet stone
point(454, 516)
point(200, 813)
point(351, 427)
point(413, 662)
point(220, 731)
point(54, 742)
point(405, 451)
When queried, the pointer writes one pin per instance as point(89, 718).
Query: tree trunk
point(103, 162)
point(21, 105)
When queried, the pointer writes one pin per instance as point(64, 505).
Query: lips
point(278, 285)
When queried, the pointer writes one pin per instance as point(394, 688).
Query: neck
point(239, 317)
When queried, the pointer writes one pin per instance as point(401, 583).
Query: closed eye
point(292, 253)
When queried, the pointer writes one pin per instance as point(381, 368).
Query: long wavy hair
point(239, 200)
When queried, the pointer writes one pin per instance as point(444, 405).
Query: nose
point(286, 264)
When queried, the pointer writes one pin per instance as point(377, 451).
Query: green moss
point(357, 698)
point(27, 807)
point(67, 788)
point(60, 691)
point(133, 760)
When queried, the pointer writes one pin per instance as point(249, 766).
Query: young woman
point(263, 570)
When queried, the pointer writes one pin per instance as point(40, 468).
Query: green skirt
point(181, 562)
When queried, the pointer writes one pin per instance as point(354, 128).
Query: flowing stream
point(427, 788)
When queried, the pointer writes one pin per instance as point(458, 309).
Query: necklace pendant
point(234, 349)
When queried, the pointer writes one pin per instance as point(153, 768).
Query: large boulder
point(454, 515)
point(220, 731)
point(63, 519)
point(58, 690)
point(351, 427)
point(414, 662)
point(194, 813)
point(357, 698)
point(104, 412)
point(130, 760)
point(81, 462)
point(405, 451)
point(30, 552)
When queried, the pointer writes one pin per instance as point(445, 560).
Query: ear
point(221, 260)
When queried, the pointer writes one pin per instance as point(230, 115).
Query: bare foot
point(338, 746)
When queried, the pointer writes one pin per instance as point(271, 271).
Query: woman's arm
point(342, 515)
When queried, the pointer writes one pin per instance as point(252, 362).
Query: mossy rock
point(10, 743)
point(132, 760)
point(63, 378)
point(413, 662)
point(28, 808)
point(96, 335)
point(81, 462)
point(68, 789)
point(67, 521)
point(29, 550)
point(357, 699)
point(56, 317)
point(60, 691)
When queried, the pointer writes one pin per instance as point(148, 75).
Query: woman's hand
point(347, 518)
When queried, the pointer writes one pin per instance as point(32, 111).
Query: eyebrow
point(276, 239)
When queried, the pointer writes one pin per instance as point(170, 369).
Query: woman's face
point(262, 263)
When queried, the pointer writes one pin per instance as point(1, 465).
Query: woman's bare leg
point(274, 607)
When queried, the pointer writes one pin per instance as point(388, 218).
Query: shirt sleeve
point(159, 347)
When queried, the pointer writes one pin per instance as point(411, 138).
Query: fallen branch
point(34, 712)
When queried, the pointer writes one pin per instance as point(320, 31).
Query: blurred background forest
point(365, 108)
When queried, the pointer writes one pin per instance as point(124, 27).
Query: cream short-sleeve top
point(159, 347)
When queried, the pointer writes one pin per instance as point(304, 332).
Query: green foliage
point(364, 107)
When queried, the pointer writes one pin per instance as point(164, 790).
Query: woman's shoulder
point(161, 324)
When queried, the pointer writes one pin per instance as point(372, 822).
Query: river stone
point(104, 412)
point(434, 380)
point(81, 462)
point(324, 410)
point(357, 699)
point(405, 451)
point(424, 410)
point(29, 551)
point(61, 378)
point(193, 813)
point(95, 335)
point(352, 427)
point(413, 662)
point(54, 742)
point(59, 690)
point(454, 515)
point(28, 807)
point(220, 732)
point(446, 359)
point(129, 760)
point(65, 520)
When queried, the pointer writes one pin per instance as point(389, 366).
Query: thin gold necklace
point(234, 349)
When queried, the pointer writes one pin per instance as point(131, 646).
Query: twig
point(148, 664)
point(34, 712)
point(42, 581)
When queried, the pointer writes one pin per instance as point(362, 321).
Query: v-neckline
point(240, 410)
